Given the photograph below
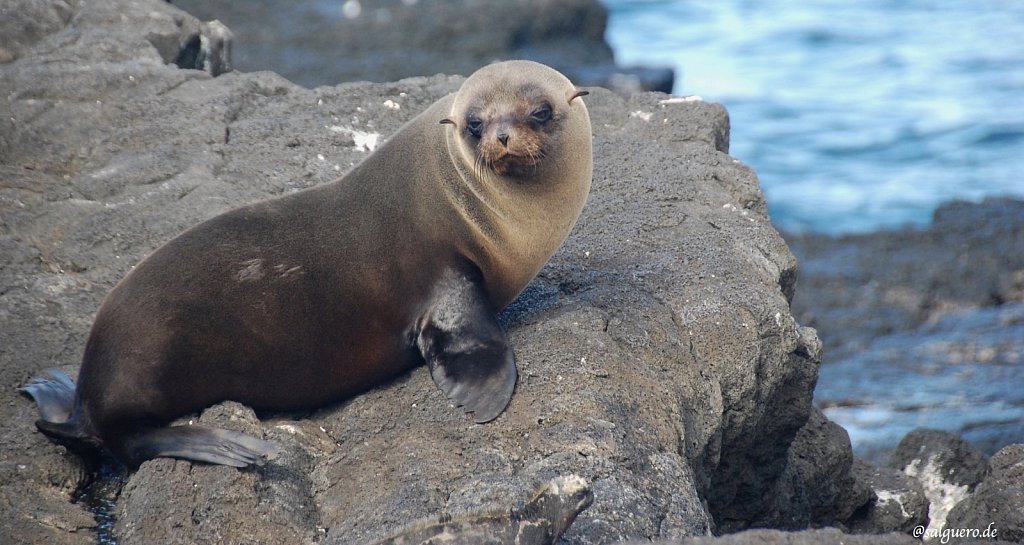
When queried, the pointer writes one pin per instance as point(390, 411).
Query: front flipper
point(465, 348)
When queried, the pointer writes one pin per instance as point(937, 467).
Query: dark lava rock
point(276, 498)
point(658, 358)
point(315, 43)
point(998, 502)
point(23, 23)
point(898, 502)
point(947, 467)
point(955, 460)
point(817, 477)
point(823, 536)
point(857, 288)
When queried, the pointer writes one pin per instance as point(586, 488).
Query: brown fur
point(311, 298)
point(528, 213)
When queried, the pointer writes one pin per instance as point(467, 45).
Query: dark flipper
point(197, 443)
point(55, 396)
point(54, 393)
point(465, 348)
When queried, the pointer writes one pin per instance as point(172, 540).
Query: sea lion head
point(518, 137)
point(511, 116)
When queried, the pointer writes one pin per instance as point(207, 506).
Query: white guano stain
point(363, 141)
point(887, 496)
point(942, 496)
point(681, 100)
point(646, 116)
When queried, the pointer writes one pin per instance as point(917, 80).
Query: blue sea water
point(961, 373)
point(856, 116)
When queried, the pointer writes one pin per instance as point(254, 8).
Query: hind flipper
point(54, 394)
point(197, 443)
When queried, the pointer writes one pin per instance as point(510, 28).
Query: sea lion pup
point(311, 298)
point(544, 518)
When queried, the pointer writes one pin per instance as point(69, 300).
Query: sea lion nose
point(503, 137)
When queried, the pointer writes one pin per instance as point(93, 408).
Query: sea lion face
point(518, 163)
point(508, 127)
point(509, 137)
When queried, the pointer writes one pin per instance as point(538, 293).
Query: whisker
point(477, 166)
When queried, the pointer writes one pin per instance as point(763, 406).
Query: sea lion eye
point(542, 114)
point(474, 125)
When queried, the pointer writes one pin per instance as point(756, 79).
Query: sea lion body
point(308, 299)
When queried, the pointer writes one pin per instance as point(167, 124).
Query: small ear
point(447, 121)
point(577, 94)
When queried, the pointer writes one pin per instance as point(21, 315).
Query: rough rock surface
point(25, 22)
point(999, 499)
point(824, 536)
point(818, 478)
point(898, 502)
point(315, 43)
point(954, 460)
point(947, 467)
point(657, 353)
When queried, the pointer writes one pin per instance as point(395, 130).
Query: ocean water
point(960, 373)
point(857, 116)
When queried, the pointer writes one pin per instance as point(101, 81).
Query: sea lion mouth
point(510, 149)
point(512, 164)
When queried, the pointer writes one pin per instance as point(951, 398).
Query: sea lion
point(309, 299)
point(544, 518)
